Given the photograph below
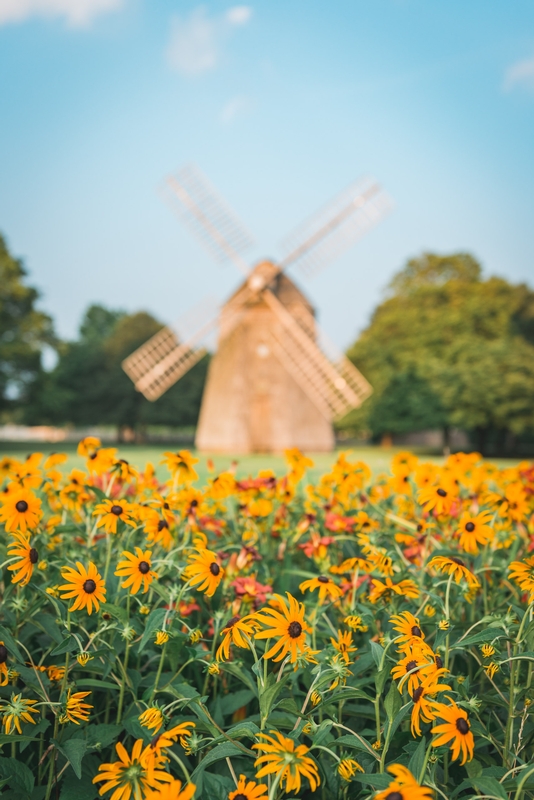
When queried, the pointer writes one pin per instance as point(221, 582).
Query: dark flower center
point(232, 622)
point(162, 524)
point(166, 505)
point(442, 492)
point(93, 456)
point(144, 567)
point(21, 506)
point(89, 586)
point(416, 696)
point(457, 561)
point(3, 654)
point(194, 503)
point(419, 527)
point(215, 568)
point(462, 725)
point(411, 665)
point(394, 796)
point(34, 555)
point(117, 510)
point(439, 662)
point(294, 629)
point(470, 527)
point(240, 796)
point(416, 630)
point(323, 579)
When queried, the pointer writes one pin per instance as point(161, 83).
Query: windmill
point(273, 382)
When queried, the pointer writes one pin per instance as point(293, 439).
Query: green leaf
point(486, 636)
point(74, 751)
point(17, 775)
point(226, 750)
point(398, 718)
point(231, 702)
point(115, 611)
point(377, 781)
point(347, 740)
point(380, 679)
point(10, 643)
point(83, 789)
point(101, 495)
point(417, 760)
point(68, 645)
point(99, 736)
point(345, 694)
point(153, 623)
point(377, 652)
point(92, 682)
point(48, 622)
point(488, 785)
point(392, 702)
point(244, 677)
point(5, 739)
point(269, 694)
point(473, 768)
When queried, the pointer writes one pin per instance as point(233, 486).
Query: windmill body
point(272, 383)
point(252, 401)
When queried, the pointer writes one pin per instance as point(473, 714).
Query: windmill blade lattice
point(343, 221)
point(209, 218)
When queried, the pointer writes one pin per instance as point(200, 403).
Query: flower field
point(251, 639)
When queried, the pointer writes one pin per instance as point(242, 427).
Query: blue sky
point(281, 104)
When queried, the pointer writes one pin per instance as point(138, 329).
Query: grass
point(378, 458)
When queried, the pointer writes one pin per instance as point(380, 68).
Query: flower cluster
point(262, 636)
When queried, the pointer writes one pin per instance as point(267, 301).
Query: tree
point(470, 340)
point(24, 331)
point(89, 386)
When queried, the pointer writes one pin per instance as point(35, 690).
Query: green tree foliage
point(89, 387)
point(469, 340)
point(23, 332)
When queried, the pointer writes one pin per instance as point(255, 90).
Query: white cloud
point(196, 41)
point(233, 108)
point(78, 13)
point(520, 75)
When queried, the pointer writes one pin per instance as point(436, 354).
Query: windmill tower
point(272, 384)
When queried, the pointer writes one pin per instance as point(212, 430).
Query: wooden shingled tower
point(272, 383)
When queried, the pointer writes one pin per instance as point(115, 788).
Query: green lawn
point(378, 458)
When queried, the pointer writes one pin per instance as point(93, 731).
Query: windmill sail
point(333, 229)
point(210, 219)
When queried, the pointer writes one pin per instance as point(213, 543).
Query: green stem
point(158, 673)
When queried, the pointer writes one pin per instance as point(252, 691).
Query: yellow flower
point(152, 718)
point(326, 587)
point(404, 787)
point(86, 585)
point(487, 650)
point(288, 760)
point(26, 556)
point(451, 565)
point(444, 625)
point(315, 697)
point(15, 711)
point(195, 635)
point(236, 631)
point(491, 668)
point(344, 644)
point(20, 511)
point(355, 623)
point(137, 570)
point(111, 511)
point(162, 637)
point(132, 774)
point(456, 728)
point(144, 610)
point(75, 710)
point(214, 668)
point(429, 611)
point(287, 625)
point(406, 588)
point(171, 791)
point(204, 571)
point(347, 768)
point(474, 531)
point(180, 465)
point(83, 658)
point(248, 790)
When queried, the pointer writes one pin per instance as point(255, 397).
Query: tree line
point(446, 348)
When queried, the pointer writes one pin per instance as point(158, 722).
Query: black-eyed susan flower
point(173, 790)
point(88, 446)
point(385, 589)
point(286, 624)
point(452, 565)
point(437, 498)
point(487, 650)
point(287, 760)
point(455, 729)
point(204, 571)
point(20, 510)
point(474, 531)
point(15, 711)
point(408, 629)
point(422, 710)
point(522, 572)
point(344, 645)
point(325, 586)
point(152, 718)
point(238, 631)
point(491, 669)
point(3, 664)
point(347, 768)
point(248, 790)
point(355, 623)
point(137, 570)
point(124, 470)
point(414, 666)
point(404, 787)
point(85, 585)
point(83, 658)
point(55, 673)
point(111, 511)
point(162, 637)
point(26, 555)
point(181, 732)
point(133, 774)
point(75, 709)
point(180, 465)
